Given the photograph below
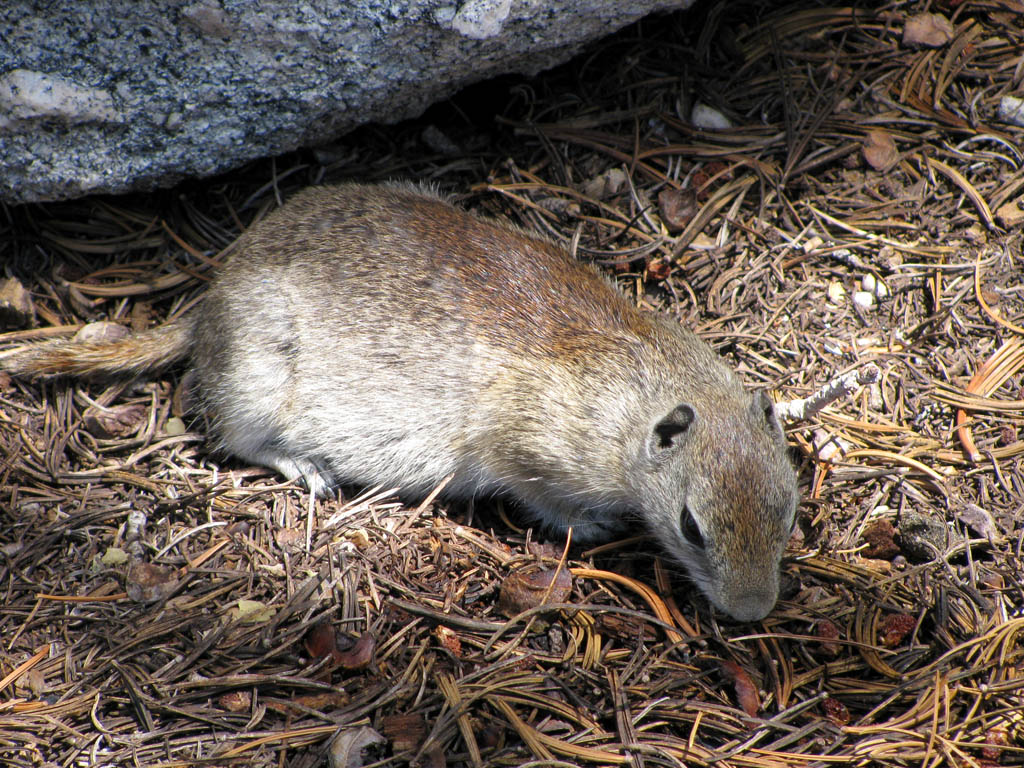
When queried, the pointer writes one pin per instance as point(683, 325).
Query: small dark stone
point(922, 536)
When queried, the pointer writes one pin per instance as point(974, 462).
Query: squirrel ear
point(762, 404)
point(762, 407)
point(667, 432)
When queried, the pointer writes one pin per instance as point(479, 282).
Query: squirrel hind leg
point(248, 436)
point(264, 448)
point(316, 479)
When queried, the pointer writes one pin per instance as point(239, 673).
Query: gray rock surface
point(114, 95)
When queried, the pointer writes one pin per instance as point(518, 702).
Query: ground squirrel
point(379, 335)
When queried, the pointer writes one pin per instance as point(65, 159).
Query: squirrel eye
point(691, 531)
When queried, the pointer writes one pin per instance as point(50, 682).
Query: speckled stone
point(116, 95)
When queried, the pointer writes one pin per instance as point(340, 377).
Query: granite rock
point(117, 95)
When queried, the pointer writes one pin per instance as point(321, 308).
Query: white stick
point(840, 386)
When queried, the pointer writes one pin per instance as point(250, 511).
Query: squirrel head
point(720, 492)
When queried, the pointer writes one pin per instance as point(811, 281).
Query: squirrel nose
point(751, 606)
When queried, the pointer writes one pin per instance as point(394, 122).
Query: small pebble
point(836, 292)
point(828, 446)
point(174, 427)
point(16, 307)
point(812, 244)
point(607, 184)
point(709, 118)
point(874, 286)
point(864, 299)
point(1011, 109)
point(875, 400)
point(100, 332)
point(923, 537)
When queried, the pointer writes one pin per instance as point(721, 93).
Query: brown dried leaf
point(148, 583)
point(746, 692)
point(321, 641)
point(828, 633)
point(449, 641)
point(116, 421)
point(625, 627)
point(896, 627)
point(35, 679)
point(659, 269)
point(701, 178)
point(405, 732)
point(359, 655)
point(836, 711)
point(993, 581)
point(678, 207)
point(522, 591)
point(928, 30)
point(322, 702)
point(991, 297)
point(546, 549)
point(880, 150)
point(235, 701)
point(995, 740)
point(881, 540)
point(354, 747)
point(289, 539)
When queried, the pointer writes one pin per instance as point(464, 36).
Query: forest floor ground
point(164, 605)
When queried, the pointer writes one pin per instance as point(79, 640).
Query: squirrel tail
point(129, 357)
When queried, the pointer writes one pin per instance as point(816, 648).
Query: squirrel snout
point(752, 605)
